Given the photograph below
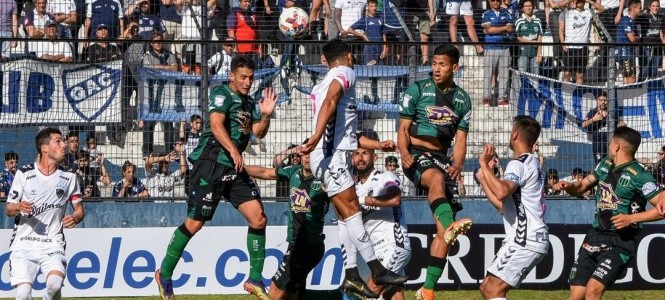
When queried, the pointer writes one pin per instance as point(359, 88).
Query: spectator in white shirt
point(159, 181)
point(51, 48)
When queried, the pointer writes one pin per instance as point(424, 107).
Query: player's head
point(337, 53)
point(625, 140)
point(445, 62)
point(11, 161)
point(391, 163)
point(196, 122)
point(526, 130)
point(50, 144)
point(242, 74)
point(601, 100)
point(364, 159)
point(128, 170)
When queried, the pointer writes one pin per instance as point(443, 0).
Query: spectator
point(172, 22)
point(104, 13)
point(529, 31)
point(652, 24)
point(658, 169)
point(129, 186)
point(148, 22)
point(626, 34)
point(553, 9)
point(241, 26)
point(371, 27)
point(158, 58)
point(456, 8)
point(91, 147)
point(575, 27)
point(536, 151)
point(220, 62)
point(7, 176)
point(551, 179)
point(613, 11)
point(421, 13)
point(497, 25)
point(596, 126)
point(391, 163)
point(575, 175)
point(71, 151)
point(288, 60)
point(64, 15)
point(190, 10)
point(35, 21)
point(159, 181)
point(285, 158)
point(103, 51)
point(52, 49)
point(191, 141)
point(8, 25)
point(88, 175)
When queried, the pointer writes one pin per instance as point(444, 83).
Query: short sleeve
point(515, 172)
point(346, 77)
point(116, 188)
point(360, 24)
point(16, 191)
point(602, 168)
point(386, 181)
point(407, 107)
point(285, 173)
point(232, 21)
point(464, 111)
point(220, 101)
point(647, 186)
point(486, 20)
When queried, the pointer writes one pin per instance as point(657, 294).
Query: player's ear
point(455, 67)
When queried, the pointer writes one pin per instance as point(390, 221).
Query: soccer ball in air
point(294, 22)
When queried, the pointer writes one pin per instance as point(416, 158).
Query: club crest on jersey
point(90, 96)
point(59, 192)
point(624, 180)
point(608, 200)
point(245, 122)
point(300, 201)
point(316, 185)
point(440, 115)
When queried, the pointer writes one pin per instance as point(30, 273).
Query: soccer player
point(309, 205)
point(519, 199)
point(623, 189)
point(331, 145)
point(38, 199)
point(218, 172)
point(432, 113)
point(380, 195)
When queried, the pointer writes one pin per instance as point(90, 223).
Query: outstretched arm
point(261, 172)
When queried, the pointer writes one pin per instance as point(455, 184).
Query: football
point(294, 22)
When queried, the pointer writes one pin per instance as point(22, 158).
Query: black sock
point(376, 267)
point(352, 274)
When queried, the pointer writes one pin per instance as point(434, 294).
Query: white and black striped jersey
point(340, 133)
point(523, 215)
point(50, 195)
point(385, 225)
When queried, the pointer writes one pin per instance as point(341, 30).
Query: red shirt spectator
point(241, 25)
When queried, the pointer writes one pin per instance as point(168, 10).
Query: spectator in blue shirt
point(148, 22)
point(498, 26)
point(107, 12)
point(129, 185)
point(7, 176)
point(626, 34)
point(653, 24)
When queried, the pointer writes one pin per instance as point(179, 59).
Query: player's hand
point(25, 207)
point(306, 148)
point(617, 19)
point(622, 221)
point(489, 152)
point(238, 161)
point(560, 186)
point(268, 10)
point(69, 221)
point(660, 206)
point(407, 160)
point(387, 146)
point(268, 102)
point(454, 171)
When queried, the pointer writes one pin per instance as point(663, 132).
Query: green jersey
point(623, 189)
point(309, 205)
point(240, 112)
point(436, 113)
point(531, 30)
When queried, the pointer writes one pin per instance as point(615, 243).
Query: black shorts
point(628, 68)
point(424, 160)
point(576, 60)
point(299, 260)
point(210, 182)
point(602, 257)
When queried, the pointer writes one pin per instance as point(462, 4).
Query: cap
point(50, 22)
point(102, 25)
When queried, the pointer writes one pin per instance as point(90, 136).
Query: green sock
point(179, 241)
point(443, 212)
point(434, 271)
point(256, 246)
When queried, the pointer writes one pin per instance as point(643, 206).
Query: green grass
point(456, 295)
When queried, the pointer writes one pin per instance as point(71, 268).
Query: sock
point(256, 246)
point(442, 211)
point(434, 271)
point(24, 292)
point(53, 287)
point(349, 250)
point(352, 274)
point(179, 240)
point(360, 237)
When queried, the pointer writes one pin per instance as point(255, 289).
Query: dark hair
point(529, 127)
point(83, 154)
point(554, 173)
point(630, 136)
point(372, 1)
point(370, 134)
point(126, 165)
point(242, 61)
point(44, 137)
point(524, 1)
point(11, 155)
point(578, 171)
point(72, 133)
point(335, 49)
point(661, 149)
point(90, 138)
point(634, 2)
point(601, 94)
point(391, 159)
point(448, 50)
point(195, 117)
point(156, 34)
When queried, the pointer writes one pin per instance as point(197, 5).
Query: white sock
point(360, 237)
point(53, 286)
point(348, 248)
point(24, 292)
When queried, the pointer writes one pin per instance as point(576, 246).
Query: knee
point(259, 222)
point(594, 291)
point(193, 226)
point(24, 292)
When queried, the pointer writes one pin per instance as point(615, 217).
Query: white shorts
point(24, 265)
point(459, 8)
point(334, 171)
point(513, 262)
point(393, 258)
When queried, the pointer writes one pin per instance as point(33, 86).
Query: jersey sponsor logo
point(44, 207)
point(300, 201)
point(244, 120)
point(30, 177)
point(649, 188)
point(607, 200)
point(440, 115)
point(429, 94)
point(631, 170)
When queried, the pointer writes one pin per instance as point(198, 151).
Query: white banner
point(37, 92)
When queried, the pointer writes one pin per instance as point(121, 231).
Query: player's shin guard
point(179, 240)
point(53, 287)
point(442, 211)
point(434, 270)
point(256, 246)
point(359, 236)
point(349, 250)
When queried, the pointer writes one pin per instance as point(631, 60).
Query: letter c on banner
point(220, 268)
point(642, 258)
point(4, 260)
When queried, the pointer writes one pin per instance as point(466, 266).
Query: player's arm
point(499, 187)
point(385, 146)
point(577, 188)
point(392, 198)
point(328, 108)
point(15, 203)
point(622, 221)
point(217, 120)
point(459, 153)
point(261, 172)
point(404, 142)
point(496, 202)
point(78, 213)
